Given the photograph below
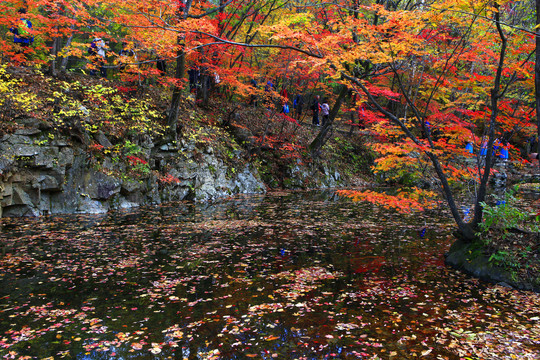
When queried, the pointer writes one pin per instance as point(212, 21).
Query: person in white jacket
point(97, 51)
point(325, 112)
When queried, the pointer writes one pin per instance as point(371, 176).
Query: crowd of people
point(98, 50)
point(127, 59)
point(320, 109)
point(321, 116)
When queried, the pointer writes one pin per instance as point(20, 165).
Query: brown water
point(287, 276)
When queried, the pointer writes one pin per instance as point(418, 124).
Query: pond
point(287, 276)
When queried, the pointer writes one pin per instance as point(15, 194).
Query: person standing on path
point(22, 33)
point(253, 96)
point(284, 94)
point(298, 105)
point(325, 112)
point(316, 107)
point(127, 56)
point(97, 51)
point(268, 95)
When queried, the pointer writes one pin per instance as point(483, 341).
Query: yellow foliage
point(13, 96)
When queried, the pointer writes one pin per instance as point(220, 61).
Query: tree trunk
point(495, 94)
point(465, 233)
point(55, 49)
point(177, 91)
point(64, 62)
point(203, 87)
point(178, 74)
point(203, 93)
point(321, 139)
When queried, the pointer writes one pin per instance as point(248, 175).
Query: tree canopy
point(430, 77)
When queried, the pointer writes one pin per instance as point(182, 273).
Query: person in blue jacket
point(22, 34)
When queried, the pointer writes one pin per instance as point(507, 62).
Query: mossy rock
point(473, 260)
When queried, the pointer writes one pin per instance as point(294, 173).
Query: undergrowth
point(510, 235)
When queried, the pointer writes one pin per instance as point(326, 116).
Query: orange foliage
point(405, 202)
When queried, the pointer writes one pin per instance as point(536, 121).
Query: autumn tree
point(436, 75)
point(439, 76)
point(217, 36)
point(50, 22)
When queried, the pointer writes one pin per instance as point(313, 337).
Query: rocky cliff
point(43, 172)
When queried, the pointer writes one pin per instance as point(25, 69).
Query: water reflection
point(290, 275)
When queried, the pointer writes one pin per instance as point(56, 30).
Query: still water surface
point(287, 276)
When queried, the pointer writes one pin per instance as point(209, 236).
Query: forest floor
point(518, 252)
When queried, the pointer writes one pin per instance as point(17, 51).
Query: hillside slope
point(86, 145)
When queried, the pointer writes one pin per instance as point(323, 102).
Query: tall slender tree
point(179, 70)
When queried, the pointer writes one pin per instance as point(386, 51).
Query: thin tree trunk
point(495, 94)
point(54, 54)
point(178, 74)
point(177, 91)
point(203, 88)
point(203, 92)
point(64, 62)
point(321, 139)
point(257, 151)
point(465, 231)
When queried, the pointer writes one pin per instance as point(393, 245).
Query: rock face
point(299, 175)
point(45, 174)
